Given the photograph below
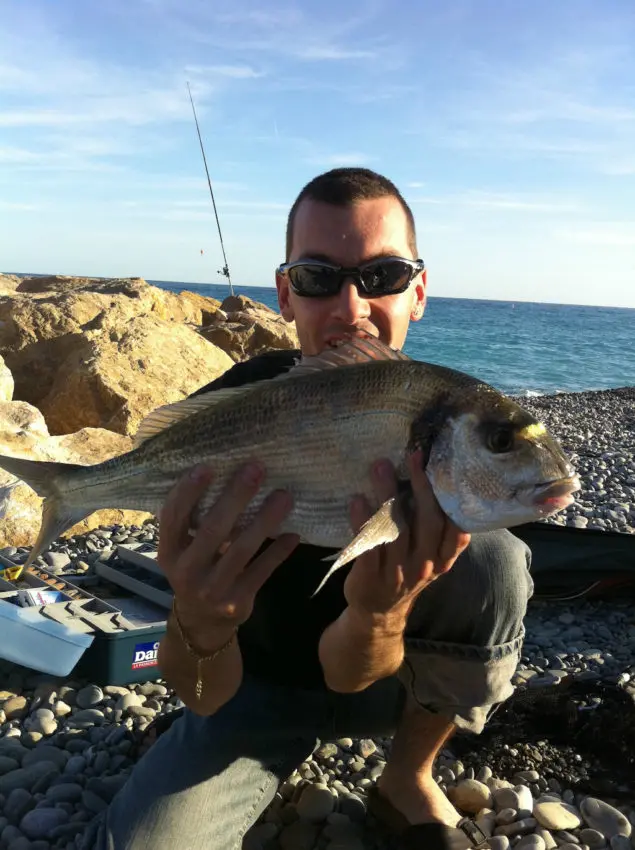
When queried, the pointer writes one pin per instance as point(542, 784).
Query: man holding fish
point(419, 634)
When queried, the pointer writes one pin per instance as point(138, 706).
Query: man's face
point(349, 236)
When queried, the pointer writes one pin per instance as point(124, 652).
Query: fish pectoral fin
point(383, 527)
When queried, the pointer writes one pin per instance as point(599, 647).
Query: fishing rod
point(225, 270)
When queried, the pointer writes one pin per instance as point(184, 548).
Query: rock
point(57, 561)
point(17, 804)
point(470, 795)
point(6, 382)
point(69, 792)
point(519, 827)
point(89, 697)
point(25, 777)
point(244, 328)
point(38, 823)
point(98, 384)
point(506, 816)
point(556, 816)
point(61, 709)
point(15, 708)
point(499, 842)
point(44, 726)
point(530, 842)
point(354, 807)
point(315, 803)
point(300, 835)
point(23, 433)
point(366, 747)
point(46, 753)
point(87, 717)
point(8, 764)
point(604, 818)
point(547, 837)
point(620, 842)
point(592, 838)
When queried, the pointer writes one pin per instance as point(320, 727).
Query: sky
point(508, 125)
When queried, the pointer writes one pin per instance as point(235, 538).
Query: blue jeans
point(207, 779)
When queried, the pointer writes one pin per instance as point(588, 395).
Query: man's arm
point(366, 642)
point(221, 677)
point(360, 648)
point(213, 589)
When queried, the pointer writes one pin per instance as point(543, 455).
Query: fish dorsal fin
point(169, 414)
point(348, 353)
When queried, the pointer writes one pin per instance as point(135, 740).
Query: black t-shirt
point(279, 642)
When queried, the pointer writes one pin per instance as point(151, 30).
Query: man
point(418, 638)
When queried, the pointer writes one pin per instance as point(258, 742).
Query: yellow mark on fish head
point(533, 430)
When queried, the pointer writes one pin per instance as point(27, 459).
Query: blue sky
point(508, 125)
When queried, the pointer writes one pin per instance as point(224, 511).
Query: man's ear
point(284, 299)
point(419, 297)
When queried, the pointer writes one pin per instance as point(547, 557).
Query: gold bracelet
point(194, 654)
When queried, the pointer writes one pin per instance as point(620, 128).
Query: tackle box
point(106, 628)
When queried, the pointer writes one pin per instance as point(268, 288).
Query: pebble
point(89, 697)
point(592, 838)
point(316, 803)
point(604, 818)
point(39, 822)
point(556, 816)
point(470, 796)
point(530, 842)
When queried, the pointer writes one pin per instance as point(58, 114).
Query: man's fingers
point(259, 570)
point(265, 524)
point(453, 543)
point(218, 522)
point(174, 518)
point(360, 512)
point(429, 524)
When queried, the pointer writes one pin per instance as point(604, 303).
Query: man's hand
point(365, 643)
point(215, 581)
point(384, 582)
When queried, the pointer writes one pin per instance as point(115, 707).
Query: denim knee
point(482, 600)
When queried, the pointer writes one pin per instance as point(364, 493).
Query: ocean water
point(518, 347)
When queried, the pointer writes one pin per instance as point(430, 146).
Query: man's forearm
point(221, 677)
point(359, 649)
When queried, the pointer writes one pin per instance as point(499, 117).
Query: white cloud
point(235, 72)
point(329, 52)
point(499, 201)
point(616, 234)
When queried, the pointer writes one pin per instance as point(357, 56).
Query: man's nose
point(350, 305)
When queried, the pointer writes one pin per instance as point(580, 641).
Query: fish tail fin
point(383, 527)
point(45, 477)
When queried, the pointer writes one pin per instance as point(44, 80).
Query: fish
point(317, 429)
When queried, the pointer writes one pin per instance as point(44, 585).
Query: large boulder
point(117, 372)
point(244, 328)
point(6, 382)
point(40, 318)
point(23, 433)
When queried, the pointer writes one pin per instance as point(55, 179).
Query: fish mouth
point(336, 339)
point(549, 497)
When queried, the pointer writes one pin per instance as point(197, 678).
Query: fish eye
point(500, 440)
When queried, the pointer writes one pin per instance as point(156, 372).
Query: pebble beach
point(67, 746)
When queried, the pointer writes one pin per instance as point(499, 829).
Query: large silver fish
point(317, 429)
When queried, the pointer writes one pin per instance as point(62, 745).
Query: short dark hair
point(343, 187)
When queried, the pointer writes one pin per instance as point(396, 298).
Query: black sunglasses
point(387, 276)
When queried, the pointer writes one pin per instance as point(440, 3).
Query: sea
point(521, 348)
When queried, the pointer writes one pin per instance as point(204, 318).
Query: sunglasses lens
point(386, 277)
point(313, 280)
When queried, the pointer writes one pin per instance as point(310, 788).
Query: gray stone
point(75, 765)
point(315, 803)
point(46, 752)
point(530, 842)
point(520, 827)
point(300, 835)
point(89, 697)
point(57, 561)
point(8, 764)
point(93, 802)
point(39, 822)
point(620, 842)
point(557, 816)
point(602, 817)
point(354, 807)
point(592, 838)
point(68, 792)
point(499, 842)
point(25, 777)
point(325, 751)
point(17, 804)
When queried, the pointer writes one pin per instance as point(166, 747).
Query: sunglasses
point(316, 279)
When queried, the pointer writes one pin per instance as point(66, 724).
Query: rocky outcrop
point(23, 433)
point(244, 328)
point(114, 375)
point(6, 382)
point(91, 358)
point(104, 353)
